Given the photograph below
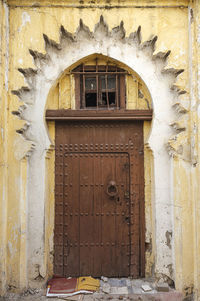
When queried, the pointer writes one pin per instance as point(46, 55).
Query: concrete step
point(172, 295)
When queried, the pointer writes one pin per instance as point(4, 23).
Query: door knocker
point(112, 190)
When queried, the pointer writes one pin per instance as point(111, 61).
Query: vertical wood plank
point(58, 234)
point(77, 92)
point(71, 214)
point(122, 92)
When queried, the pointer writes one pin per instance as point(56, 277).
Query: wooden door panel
point(58, 235)
point(96, 234)
point(71, 212)
point(123, 215)
point(86, 213)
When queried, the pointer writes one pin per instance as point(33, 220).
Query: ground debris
point(106, 288)
point(111, 289)
point(146, 288)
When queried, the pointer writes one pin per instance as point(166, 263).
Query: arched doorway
point(49, 68)
point(99, 168)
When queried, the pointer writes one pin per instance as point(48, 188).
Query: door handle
point(112, 190)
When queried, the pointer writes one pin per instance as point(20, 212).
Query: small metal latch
point(126, 194)
point(126, 166)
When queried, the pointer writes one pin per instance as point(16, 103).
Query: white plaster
point(198, 110)
point(2, 133)
point(10, 249)
point(172, 214)
point(198, 83)
point(198, 35)
point(21, 147)
point(25, 19)
point(190, 56)
point(126, 52)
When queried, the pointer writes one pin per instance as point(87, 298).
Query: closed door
point(98, 186)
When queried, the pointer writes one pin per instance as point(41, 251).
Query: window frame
point(83, 71)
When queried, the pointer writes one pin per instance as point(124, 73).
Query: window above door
point(100, 87)
point(99, 84)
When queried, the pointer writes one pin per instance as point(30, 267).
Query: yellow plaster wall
point(49, 19)
point(137, 94)
point(184, 239)
point(3, 149)
point(50, 198)
point(101, 3)
point(197, 176)
point(27, 25)
point(148, 176)
point(195, 140)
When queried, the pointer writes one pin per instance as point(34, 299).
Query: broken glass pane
point(111, 82)
point(90, 83)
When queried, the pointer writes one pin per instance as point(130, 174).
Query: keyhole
point(127, 219)
point(112, 189)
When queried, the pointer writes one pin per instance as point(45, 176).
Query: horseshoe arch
point(160, 81)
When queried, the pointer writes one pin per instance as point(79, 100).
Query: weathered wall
point(176, 23)
point(4, 38)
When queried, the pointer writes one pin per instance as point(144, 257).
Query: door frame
point(134, 115)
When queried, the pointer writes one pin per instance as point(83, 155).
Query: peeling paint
point(198, 36)
point(198, 83)
point(7, 46)
point(25, 19)
point(144, 65)
point(168, 238)
point(198, 110)
point(2, 133)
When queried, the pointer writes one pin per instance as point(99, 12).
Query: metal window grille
point(101, 86)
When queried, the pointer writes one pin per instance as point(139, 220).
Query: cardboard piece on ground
point(88, 283)
point(78, 297)
point(63, 287)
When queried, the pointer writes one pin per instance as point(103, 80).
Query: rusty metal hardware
point(126, 195)
point(127, 219)
point(112, 190)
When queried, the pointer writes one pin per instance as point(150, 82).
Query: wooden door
point(99, 199)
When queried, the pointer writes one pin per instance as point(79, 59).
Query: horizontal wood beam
point(99, 114)
point(99, 72)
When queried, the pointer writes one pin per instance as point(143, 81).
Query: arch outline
point(159, 80)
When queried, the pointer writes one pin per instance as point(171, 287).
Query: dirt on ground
point(111, 289)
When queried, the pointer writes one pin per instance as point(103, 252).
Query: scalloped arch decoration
point(49, 66)
point(152, 69)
